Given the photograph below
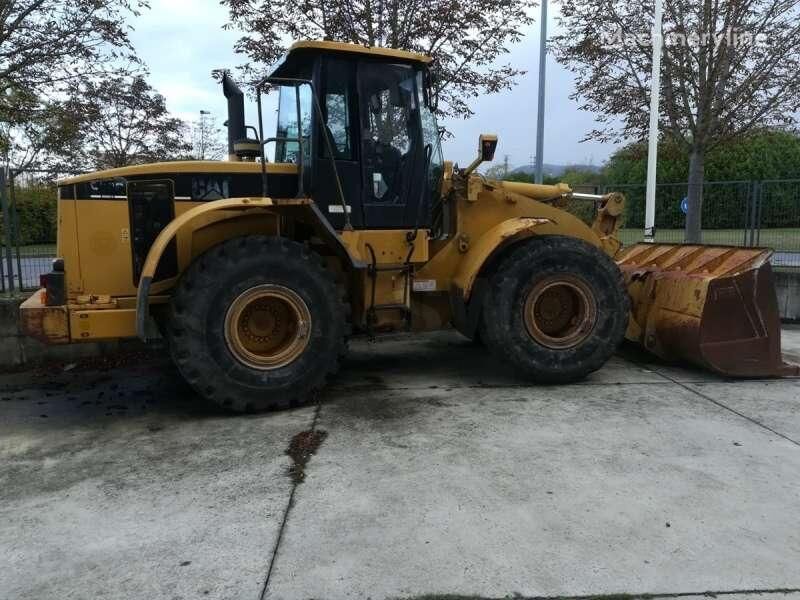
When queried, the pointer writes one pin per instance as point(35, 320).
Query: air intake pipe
point(235, 123)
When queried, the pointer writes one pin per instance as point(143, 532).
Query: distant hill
point(550, 170)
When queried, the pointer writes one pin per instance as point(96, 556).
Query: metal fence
point(777, 219)
point(739, 213)
point(735, 213)
point(28, 223)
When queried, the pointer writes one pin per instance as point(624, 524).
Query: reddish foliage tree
point(465, 37)
point(728, 67)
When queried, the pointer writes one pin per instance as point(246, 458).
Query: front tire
point(257, 323)
point(557, 309)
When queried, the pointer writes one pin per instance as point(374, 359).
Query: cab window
point(338, 123)
point(287, 147)
point(337, 108)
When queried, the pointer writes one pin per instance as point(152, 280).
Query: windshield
point(286, 151)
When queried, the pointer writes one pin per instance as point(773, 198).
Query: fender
point(245, 204)
point(505, 233)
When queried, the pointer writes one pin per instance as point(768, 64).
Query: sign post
point(7, 225)
point(652, 140)
point(539, 168)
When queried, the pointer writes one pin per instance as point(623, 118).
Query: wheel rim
point(267, 327)
point(560, 311)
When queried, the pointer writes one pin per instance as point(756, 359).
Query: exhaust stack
point(235, 123)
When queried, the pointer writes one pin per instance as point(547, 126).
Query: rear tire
point(257, 323)
point(557, 309)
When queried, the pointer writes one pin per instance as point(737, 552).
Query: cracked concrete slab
point(442, 471)
point(705, 595)
point(752, 596)
point(120, 485)
point(775, 403)
point(539, 491)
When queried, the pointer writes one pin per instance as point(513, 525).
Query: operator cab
point(370, 126)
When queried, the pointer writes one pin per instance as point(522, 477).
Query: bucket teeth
point(714, 306)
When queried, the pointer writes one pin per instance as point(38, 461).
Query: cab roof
point(289, 61)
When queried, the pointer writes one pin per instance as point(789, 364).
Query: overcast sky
point(182, 41)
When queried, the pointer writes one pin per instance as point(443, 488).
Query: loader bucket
point(714, 306)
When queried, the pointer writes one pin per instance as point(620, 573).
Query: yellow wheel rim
point(560, 311)
point(267, 327)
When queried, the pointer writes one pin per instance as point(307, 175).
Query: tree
point(47, 43)
point(45, 46)
point(127, 122)
point(465, 37)
point(39, 133)
point(728, 68)
point(206, 139)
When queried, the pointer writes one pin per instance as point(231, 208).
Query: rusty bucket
point(714, 306)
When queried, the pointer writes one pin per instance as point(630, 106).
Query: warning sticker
point(424, 285)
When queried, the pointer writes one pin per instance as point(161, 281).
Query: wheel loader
point(257, 272)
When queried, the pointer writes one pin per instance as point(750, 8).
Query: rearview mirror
point(487, 144)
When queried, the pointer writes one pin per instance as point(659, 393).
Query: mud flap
point(714, 306)
point(466, 314)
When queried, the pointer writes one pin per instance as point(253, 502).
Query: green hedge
point(36, 215)
point(762, 155)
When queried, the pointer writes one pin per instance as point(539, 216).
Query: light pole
point(539, 175)
point(652, 140)
point(203, 114)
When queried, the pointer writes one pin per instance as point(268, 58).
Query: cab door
point(339, 107)
point(391, 145)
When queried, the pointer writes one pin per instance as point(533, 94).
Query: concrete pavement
point(119, 486)
point(442, 473)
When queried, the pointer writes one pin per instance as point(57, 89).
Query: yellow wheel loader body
point(360, 226)
point(188, 220)
point(493, 215)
